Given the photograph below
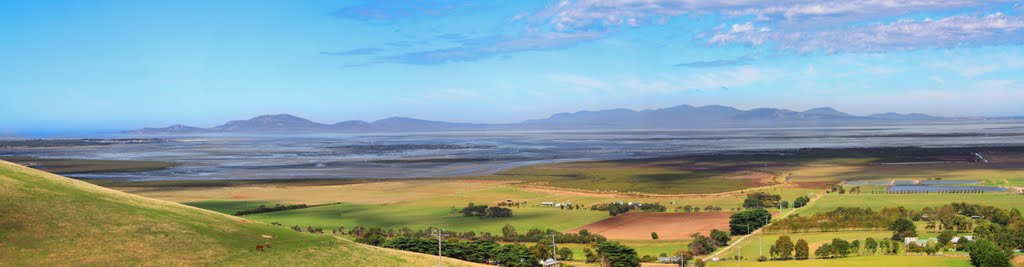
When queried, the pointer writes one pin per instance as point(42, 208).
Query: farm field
point(87, 165)
point(911, 201)
point(650, 177)
point(642, 247)
point(669, 226)
point(931, 261)
point(751, 246)
point(420, 204)
point(422, 217)
point(228, 207)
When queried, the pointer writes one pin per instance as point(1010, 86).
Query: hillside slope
point(46, 219)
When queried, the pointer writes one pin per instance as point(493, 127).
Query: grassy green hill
point(46, 219)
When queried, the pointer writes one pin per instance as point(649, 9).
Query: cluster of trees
point(801, 201)
point(702, 245)
point(264, 208)
point(841, 218)
point(616, 208)
point(509, 234)
point(744, 222)
point(842, 190)
point(514, 255)
point(571, 207)
point(688, 208)
point(483, 211)
point(511, 204)
point(760, 200)
point(784, 249)
point(309, 229)
point(998, 231)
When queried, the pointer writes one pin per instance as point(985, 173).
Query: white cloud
point(804, 25)
point(997, 28)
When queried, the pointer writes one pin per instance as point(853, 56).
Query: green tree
point(541, 250)
point(617, 255)
point(945, 237)
point(701, 245)
point(784, 247)
point(902, 228)
point(824, 251)
point(802, 250)
point(986, 253)
point(654, 235)
point(565, 254)
point(840, 247)
point(870, 246)
point(855, 247)
point(590, 255)
point(515, 255)
point(758, 200)
point(508, 231)
point(721, 238)
point(801, 201)
point(744, 222)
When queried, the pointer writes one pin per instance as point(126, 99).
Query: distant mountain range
point(678, 117)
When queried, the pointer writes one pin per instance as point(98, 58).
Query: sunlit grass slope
point(47, 220)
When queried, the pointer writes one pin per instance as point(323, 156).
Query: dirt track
point(669, 226)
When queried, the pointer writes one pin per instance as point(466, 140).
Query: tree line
point(514, 255)
point(264, 209)
point(483, 211)
point(616, 208)
point(997, 231)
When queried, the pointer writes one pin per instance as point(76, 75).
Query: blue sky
point(129, 64)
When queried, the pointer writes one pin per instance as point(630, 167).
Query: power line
point(439, 235)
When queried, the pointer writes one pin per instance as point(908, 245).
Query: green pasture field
point(598, 176)
point(751, 245)
point(228, 207)
point(911, 201)
point(930, 261)
point(51, 220)
point(422, 217)
point(87, 165)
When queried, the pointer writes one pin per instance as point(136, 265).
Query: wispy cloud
point(802, 26)
point(907, 34)
point(744, 60)
point(470, 51)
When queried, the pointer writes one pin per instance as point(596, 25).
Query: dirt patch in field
point(754, 178)
point(669, 226)
point(812, 185)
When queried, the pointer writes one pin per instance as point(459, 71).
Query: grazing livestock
point(259, 247)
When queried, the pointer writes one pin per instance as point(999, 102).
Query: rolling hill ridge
point(50, 220)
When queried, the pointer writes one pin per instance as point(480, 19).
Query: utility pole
point(439, 235)
point(554, 251)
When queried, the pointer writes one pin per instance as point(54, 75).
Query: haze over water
point(405, 155)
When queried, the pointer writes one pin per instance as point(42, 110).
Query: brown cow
point(259, 247)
